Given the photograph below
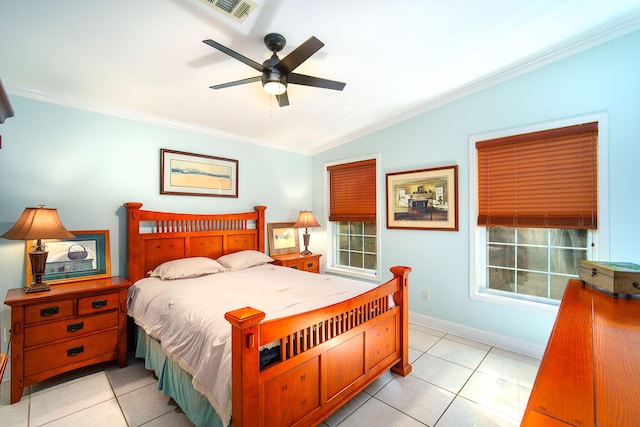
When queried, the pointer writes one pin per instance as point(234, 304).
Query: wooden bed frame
point(328, 355)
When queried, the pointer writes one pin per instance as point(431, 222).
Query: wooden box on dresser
point(298, 261)
point(75, 324)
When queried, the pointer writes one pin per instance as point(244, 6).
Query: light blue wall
point(603, 79)
point(87, 165)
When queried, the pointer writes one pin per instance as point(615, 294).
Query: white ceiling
point(144, 59)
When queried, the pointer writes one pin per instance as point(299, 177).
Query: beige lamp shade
point(38, 223)
point(305, 220)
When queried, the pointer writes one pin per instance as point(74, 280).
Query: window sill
point(514, 302)
point(356, 274)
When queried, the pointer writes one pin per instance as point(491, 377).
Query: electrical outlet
point(425, 295)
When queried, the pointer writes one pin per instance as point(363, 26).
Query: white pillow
point(244, 259)
point(186, 267)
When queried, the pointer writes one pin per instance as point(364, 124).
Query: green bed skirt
point(175, 382)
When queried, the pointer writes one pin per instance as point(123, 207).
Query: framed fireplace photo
point(423, 199)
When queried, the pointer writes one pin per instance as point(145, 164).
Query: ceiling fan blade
point(299, 55)
point(283, 100)
point(301, 79)
point(237, 82)
point(250, 62)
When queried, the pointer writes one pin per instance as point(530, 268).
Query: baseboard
point(508, 343)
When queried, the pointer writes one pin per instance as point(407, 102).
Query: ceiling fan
point(278, 73)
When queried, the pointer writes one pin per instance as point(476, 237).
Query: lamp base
point(305, 239)
point(37, 287)
point(38, 260)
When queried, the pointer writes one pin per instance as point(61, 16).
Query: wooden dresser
point(73, 325)
point(309, 263)
point(590, 371)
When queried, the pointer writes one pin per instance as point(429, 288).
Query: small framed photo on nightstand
point(283, 238)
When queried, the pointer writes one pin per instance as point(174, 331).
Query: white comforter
point(187, 315)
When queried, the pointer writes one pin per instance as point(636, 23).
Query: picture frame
point(283, 238)
point(423, 199)
point(191, 174)
point(86, 256)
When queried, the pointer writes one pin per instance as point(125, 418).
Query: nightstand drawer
point(296, 265)
point(311, 265)
point(48, 311)
point(103, 345)
point(69, 328)
point(97, 303)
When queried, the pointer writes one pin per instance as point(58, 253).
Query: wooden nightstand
point(75, 324)
point(309, 263)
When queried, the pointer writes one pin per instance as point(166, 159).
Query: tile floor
point(454, 383)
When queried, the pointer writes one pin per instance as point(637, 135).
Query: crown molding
point(140, 117)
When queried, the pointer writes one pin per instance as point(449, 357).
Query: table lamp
point(306, 220)
point(37, 224)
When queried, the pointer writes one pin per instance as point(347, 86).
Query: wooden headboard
point(156, 237)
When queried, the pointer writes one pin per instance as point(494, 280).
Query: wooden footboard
point(327, 356)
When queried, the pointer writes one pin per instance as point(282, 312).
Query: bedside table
point(75, 324)
point(309, 263)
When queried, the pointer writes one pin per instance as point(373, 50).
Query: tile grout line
point(462, 387)
point(115, 396)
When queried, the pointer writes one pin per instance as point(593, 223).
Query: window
point(537, 212)
point(352, 218)
point(533, 262)
point(356, 245)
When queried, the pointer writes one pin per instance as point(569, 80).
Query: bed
point(287, 368)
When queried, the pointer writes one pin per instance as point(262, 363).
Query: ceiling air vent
point(236, 9)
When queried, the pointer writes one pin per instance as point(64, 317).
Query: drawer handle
point(75, 351)
point(309, 265)
point(594, 272)
point(99, 303)
point(295, 267)
point(49, 311)
point(636, 285)
point(75, 327)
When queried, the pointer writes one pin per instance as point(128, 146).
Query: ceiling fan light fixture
point(274, 87)
point(273, 82)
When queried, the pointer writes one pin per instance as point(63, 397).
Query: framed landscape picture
point(424, 199)
point(197, 174)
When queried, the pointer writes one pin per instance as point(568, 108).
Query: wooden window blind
point(352, 191)
point(544, 179)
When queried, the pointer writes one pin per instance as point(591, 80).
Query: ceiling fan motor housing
point(271, 74)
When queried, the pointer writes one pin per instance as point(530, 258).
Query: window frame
point(331, 256)
point(477, 234)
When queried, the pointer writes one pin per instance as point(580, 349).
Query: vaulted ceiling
point(144, 59)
